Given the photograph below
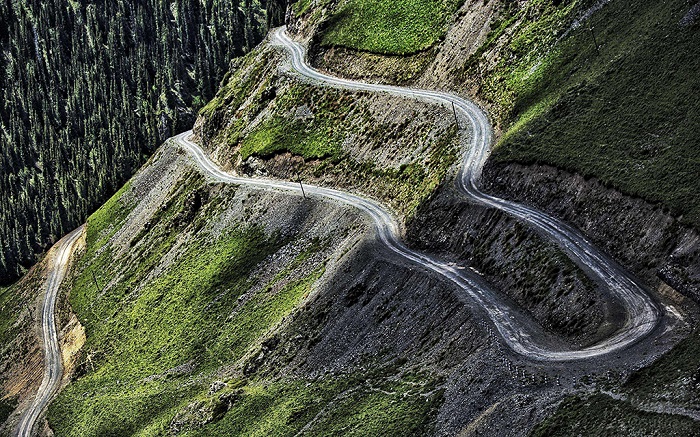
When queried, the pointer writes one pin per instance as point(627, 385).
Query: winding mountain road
point(642, 314)
point(53, 366)
point(519, 332)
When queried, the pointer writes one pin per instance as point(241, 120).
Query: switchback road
point(642, 314)
point(520, 333)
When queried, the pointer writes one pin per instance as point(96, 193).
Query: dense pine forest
point(89, 89)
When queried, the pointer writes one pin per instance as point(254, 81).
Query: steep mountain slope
point(576, 87)
point(214, 309)
point(227, 280)
point(230, 309)
point(89, 89)
point(255, 381)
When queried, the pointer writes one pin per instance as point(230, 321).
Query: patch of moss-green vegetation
point(297, 129)
point(301, 7)
point(623, 112)
point(354, 405)
point(278, 135)
point(159, 324)
point(390, 27)
point(601, 415)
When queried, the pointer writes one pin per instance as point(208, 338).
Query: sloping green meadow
point(179, 310)
point(615, 98)
point(395, 27)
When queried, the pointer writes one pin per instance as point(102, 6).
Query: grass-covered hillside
point(184, 289)
point(389, 27)
point(624, 111)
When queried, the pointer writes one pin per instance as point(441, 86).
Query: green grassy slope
point(389, 26)
point(170, 321)
point(357, 405)
point(317, 136)
point(157, 342)
point(626, 114)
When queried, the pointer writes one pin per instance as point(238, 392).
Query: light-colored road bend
point(642, 314)
point(53, 366)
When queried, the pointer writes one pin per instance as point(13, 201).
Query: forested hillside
point(88, 89)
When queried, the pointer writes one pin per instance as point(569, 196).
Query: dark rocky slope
point(525, 266)
point(643, 236)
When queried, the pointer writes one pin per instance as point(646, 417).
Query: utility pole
point(94, 278)
point(597, 47)
point(301, 185)
point(454, 111)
